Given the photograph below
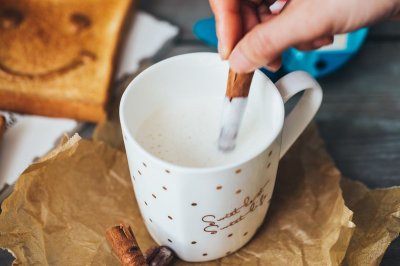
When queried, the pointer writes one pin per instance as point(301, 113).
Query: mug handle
point(304, 111)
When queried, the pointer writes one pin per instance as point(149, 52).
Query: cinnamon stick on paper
point(238, 84)
point(125, 246)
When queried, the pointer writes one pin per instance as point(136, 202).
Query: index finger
point(228, 24)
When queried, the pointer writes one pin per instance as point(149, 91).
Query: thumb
point(265, 42)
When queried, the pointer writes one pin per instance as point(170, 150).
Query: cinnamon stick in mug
point(238, 84)
point(2, 127)
point(237, 90)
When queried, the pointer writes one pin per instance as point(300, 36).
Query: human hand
point(250, 36)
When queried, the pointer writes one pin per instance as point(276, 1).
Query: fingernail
point(322, 42)
point(239, 63)
point(222, 51)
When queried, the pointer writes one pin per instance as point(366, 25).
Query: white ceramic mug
point(207, 213)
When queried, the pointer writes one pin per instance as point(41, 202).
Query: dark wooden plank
point(387, 30)
point(359, 118)
point(392, 257)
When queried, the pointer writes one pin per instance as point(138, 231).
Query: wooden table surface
point(360, 115)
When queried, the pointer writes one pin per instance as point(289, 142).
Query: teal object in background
point(318, 63)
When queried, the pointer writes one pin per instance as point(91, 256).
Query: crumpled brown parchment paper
point(62, 205)
point(377, 216)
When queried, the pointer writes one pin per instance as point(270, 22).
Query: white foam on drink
point(186, 132)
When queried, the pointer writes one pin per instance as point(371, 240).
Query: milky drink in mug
point(185, 133)
point(200, 202)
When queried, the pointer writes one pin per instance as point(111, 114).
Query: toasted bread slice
point(56, 57)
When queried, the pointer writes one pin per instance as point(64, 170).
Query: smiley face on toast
point(56, 55)
point(44, 38)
